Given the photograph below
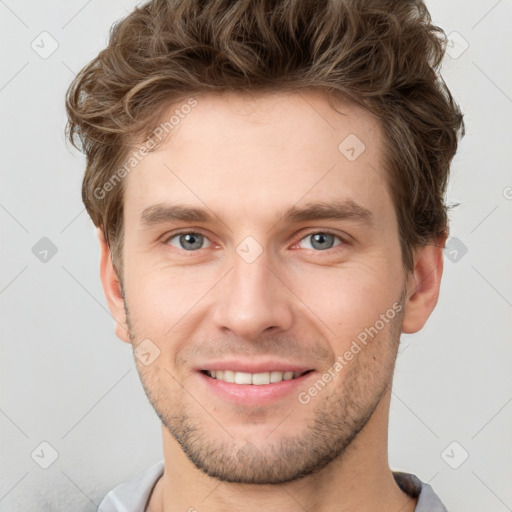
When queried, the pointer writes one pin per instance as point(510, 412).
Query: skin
point(248, 159)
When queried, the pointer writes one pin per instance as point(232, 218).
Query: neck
point(360, 479)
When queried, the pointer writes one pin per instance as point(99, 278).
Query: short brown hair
point(382, 54)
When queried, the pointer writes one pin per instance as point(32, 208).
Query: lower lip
point(251, 394)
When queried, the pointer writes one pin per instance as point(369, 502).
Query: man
point(267, 178)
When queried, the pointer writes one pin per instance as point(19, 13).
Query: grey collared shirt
point(133, 495)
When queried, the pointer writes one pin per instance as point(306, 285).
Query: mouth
point(264, 385)
point(254, 379)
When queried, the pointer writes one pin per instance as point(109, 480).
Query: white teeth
point(276, 376)
point(229, 376)
point(261, 378)
point(243, 378)
point(256, 379)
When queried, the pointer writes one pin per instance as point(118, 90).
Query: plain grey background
point(68, 382)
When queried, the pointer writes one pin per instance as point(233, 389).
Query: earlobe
point(112, 288)
point(423, 286)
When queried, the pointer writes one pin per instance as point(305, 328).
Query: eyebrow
point(337, 210)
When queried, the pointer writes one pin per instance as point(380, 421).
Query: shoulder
point(428, 500)
point(132, 495)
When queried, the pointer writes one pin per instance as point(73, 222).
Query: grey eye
point(321, 241)
point(188, 241)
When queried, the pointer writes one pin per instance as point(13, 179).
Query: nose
point(253, 300)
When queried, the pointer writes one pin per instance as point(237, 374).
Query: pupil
point(191, 239)
point(321, 238)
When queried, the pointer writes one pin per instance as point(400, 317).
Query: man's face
point(254, 291)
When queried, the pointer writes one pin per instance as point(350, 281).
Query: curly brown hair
point(383, 55)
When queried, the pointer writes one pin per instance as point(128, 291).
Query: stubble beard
point(337, 417)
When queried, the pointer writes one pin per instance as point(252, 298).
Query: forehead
point(261, 154)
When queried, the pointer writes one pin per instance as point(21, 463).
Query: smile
point(256, 379)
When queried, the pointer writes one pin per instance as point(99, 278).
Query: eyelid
point(344, 238)
point(192, 231)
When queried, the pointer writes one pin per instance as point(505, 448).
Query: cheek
point(340, 300)
point(344, 301)
point(164, 300)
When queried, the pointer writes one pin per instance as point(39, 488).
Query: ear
point(423, 285)
point(112, 288)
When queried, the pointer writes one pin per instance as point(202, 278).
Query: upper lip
point(238, 365)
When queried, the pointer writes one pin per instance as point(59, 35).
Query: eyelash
point(323, 232)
